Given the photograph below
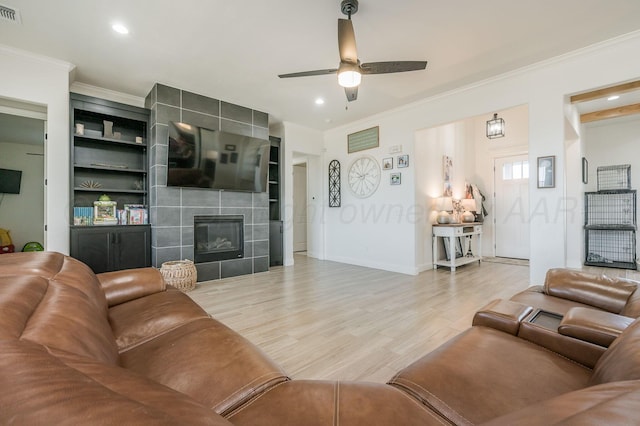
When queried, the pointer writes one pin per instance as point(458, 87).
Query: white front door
point(511, 220)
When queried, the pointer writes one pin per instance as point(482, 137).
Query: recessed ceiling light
point(613, 98)
point(319, 101)
point(120, 29)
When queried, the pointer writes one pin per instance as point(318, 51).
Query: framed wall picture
point(403, 161)
point(585, 171)
point(396, 178)
point(387, 163)
point(364, 139)
point(547, 172)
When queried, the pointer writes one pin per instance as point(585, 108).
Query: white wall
point(22, 214)
point(574, 189)
point(543, 88)
point(45, 81)
point(379, 231)
point(301, 141)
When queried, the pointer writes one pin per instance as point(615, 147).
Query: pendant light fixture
point(495, 127)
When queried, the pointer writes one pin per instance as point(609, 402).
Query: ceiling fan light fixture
point(349, 75)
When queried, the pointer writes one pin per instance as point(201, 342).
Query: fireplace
point(218, 238)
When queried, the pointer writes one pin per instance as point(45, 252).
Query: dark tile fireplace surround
point(173, 211)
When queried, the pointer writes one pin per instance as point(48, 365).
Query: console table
point(471, 249)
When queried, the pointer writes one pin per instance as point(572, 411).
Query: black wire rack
point(610, 208)
point(613, 248)
point(614, 177)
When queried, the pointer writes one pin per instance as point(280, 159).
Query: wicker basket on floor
point(181, 274)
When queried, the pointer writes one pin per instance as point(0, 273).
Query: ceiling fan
point(350, 69)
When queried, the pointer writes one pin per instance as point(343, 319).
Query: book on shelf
point(136, 214)
point(83, 216)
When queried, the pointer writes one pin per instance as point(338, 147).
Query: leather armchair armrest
point(130, 284)
point(593, 326)
point(503, 315)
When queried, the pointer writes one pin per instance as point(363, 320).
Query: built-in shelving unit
point(275, 205)
point(108, 157)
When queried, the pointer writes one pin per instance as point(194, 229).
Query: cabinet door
point(133, 247)
point(275, 243)
point(93, 247)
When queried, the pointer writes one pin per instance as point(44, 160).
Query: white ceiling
point(234, 50)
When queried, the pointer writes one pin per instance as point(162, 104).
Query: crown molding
point(102, 93)
point(36, 57)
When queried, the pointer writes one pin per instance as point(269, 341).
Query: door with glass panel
point(511, 220)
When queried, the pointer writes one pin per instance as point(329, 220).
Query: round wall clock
point(364, 176)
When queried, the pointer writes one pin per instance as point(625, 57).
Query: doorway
point(511, 201)
point(22, 148)
point(300, 207)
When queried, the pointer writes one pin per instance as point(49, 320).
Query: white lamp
point(349, 75)
point(444, 205)
point(469, 205)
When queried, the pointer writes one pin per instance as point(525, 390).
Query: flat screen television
point(205, 158)
point(10, 181)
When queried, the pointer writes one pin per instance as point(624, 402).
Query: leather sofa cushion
point(607, 404)
point(56, 315)
point(55, 389)
point(145, 318)
point(632, 308)
point(320, 403)
point(484, 373)
point(621, 361)
point(537, 299)
point(607, 293)
point(207, 361)
point(59, 268)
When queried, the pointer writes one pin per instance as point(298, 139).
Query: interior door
point(300, 207)
point(511, 219)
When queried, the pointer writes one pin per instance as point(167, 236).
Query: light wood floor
point(327, 320)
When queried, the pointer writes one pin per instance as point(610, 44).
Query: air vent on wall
point(9, 14)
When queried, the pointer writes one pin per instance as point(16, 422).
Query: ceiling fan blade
point(309, 73)
point(347, 42)
point(352, 93)
point(392, 66)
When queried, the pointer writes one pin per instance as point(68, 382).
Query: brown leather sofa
point(122, 348)
point(564, 289)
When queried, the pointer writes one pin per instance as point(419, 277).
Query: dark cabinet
point(111, 248)
point(109, 157)
point(275, 243)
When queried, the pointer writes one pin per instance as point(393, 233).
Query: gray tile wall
point(171, 209)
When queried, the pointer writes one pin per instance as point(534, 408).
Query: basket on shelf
point(181, 274)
